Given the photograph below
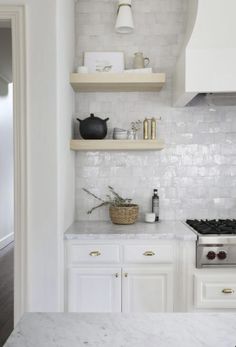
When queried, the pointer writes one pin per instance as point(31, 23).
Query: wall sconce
point(124, 21)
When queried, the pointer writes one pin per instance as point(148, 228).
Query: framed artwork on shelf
point(104, 62)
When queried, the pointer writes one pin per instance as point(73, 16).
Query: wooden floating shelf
point(114, 82)
point(116, 145)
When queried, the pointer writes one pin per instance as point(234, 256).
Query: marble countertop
point(106, 230)
point(125, 330)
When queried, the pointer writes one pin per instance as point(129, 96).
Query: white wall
point(196, 172)
point(42, 156)
point(44, 178)
point(66, 160)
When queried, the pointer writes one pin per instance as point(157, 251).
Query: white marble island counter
point(106, 230)
point(125, 330)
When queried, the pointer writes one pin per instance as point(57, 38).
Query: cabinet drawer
point(93, 254)
point(148, 254)
point(215, 291)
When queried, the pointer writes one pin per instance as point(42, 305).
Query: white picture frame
point(108, 62)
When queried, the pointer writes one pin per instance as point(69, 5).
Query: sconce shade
point(124, 21)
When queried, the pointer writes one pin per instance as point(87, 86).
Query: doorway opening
point(13, 168)
point(6, 184)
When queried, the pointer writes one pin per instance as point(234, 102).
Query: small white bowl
point(120, 135)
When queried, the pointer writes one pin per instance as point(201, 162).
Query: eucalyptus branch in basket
point(112, 200)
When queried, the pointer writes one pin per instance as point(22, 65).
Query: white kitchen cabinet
point(120, 276)
point(206, 289)
point(147, 289)
point(94, 290)
point(215, 290)
point(161, 275)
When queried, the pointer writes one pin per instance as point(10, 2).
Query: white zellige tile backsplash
point(196, 172)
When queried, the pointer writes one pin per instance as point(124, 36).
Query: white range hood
point(207, 63)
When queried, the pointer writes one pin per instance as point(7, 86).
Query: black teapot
point(92, 128)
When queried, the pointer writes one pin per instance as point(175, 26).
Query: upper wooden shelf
point(116, 145)
point(114, 82)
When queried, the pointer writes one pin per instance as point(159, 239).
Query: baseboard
point(6, 240)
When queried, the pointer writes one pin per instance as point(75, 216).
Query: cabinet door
point(147, 289)
point(94, 290)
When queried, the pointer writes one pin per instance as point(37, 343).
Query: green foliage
point(112, 199)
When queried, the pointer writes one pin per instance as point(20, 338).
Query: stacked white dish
point(135, 71)
point(120, 134)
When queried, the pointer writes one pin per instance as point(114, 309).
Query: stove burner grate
point(213, 226)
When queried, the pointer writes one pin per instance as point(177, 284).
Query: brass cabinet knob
point(228, 291)
point(149, 254)
point(117, 275)
point(94, 254)
point(125, 274)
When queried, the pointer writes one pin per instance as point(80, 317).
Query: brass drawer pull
point(228, 291)
point(149, 254)
point(94, 254)
point(126, 275)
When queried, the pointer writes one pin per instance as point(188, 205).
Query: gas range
point(216, 242)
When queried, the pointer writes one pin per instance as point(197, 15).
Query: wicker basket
point(126, 214)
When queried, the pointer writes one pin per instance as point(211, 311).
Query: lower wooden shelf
point(116, 145)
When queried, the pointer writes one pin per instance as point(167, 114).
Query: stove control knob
point(222, 255)
point(211, 255)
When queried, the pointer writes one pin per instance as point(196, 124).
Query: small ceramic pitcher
point(139, 61)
